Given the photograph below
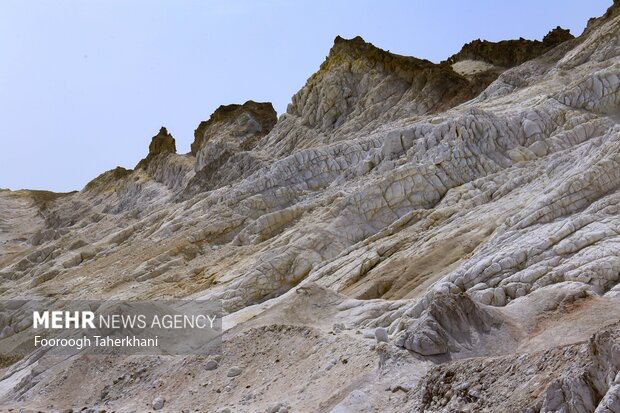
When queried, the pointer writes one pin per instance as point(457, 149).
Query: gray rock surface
point(234, 371)
point(381, 335)
point(211, 364)
point(158, 403)
point(469, 211)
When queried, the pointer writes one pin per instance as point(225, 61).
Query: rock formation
point(510, 53)
point(161, 144)
point(223, 145)
point(466, 212)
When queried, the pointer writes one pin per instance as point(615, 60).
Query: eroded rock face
point(161, 144)
point(476, 230)
point(576, 378)
point(510, 53)
point(450, 324)
point(333, 97)
point(158, 178)
point(223, 144)
point(360, 86)
point(243, 123)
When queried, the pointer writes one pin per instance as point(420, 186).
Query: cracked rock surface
point(468, 210)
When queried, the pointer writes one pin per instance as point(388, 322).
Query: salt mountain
point(470, 208)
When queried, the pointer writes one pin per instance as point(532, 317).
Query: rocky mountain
point(408, 236)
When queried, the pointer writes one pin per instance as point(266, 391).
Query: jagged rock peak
point(262, 113)
point(357, 47)
point(557, 36)
point(510, 53)
point(354, 46)
point(162, 143)
point(362, 86)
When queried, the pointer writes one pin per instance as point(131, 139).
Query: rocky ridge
point(475, 220)
point(223, 145)
point(510, 53)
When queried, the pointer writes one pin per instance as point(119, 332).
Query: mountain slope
point(394, 191)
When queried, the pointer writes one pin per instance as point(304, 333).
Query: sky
point(85, 84)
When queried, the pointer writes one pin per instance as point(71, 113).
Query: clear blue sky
point(85, 84)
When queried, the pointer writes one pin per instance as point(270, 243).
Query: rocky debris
point(279, 407)
point(211, 364)
point(580, 388)
point(338, 328)
point(569, 379)
point(158, 403)
point(611, 401)
point(234, 371)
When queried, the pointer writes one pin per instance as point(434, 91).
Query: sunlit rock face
point(469, 210)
